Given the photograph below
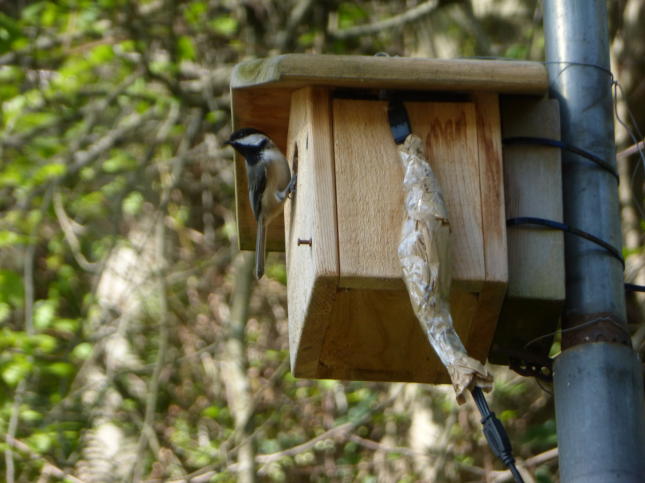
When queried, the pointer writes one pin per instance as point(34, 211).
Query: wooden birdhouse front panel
point(370, 198)
point(350, 315)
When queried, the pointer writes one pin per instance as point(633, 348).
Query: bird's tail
point(260, 248)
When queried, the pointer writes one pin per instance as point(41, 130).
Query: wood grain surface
point(312, 263)
point(370, 194)
point(533, 187)
point(261, 97)
point(365, 327)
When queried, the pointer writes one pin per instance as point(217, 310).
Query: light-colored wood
point(312, 270)
point(533, 187)
point(370, 196)
point(491, 178)
point(373, 335)
point(491, 295)
point(298, 70)
point(261, 96)
point(366, 328)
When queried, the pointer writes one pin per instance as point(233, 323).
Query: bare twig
point(633, 149)
point(66, 225)
point(286, 36)
point(48, 467)
point(430, 453)
point(339, 432)
point(238, 388)
point(545, 457)
point(411, 15)
point(10, 470)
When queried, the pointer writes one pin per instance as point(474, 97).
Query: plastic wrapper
point(424, 253)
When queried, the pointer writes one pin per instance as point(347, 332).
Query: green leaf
point(48, 172)
point(350, 14)
point(5, 311)
point(517, 51)
point(186, 48)
point(49, 15)
point(89, 205)
point(41, 442)
point(29, 415)
point(66, 325)
point(61, 369)
point(44, 342)
point(16, 370)
point(211, 412)
point(101, 54)
point(132, 203)
point(9, 238)
point(195, 12)
point(44, 313)
point(9, 31)
point(11, 287)
point(82, 351)
point(224, 25)
point(119, 161)
point(31, 13)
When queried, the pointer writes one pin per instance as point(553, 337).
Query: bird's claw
point(288, 191)
point(291, 187)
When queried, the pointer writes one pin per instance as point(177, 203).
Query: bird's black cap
point(240, 133)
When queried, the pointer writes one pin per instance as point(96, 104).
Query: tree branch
point(397, 21)
point(48, 467)
point(634, 148)
point(285, 38)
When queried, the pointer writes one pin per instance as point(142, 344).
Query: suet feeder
point(349, 313)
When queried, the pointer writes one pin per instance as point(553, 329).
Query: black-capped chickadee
point(270, 182)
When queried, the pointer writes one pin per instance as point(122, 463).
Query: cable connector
point(496, 434)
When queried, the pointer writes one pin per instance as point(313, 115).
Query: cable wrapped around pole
point(425, 256)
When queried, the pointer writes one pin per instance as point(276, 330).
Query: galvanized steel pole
point(597, 378)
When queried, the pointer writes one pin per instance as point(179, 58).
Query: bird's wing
point(257, 185)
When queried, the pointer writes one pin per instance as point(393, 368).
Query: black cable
point(397, 116)
point(567, 147)
point(629, 287)
point(530, 220)
point(496, 434)
point(632, 287)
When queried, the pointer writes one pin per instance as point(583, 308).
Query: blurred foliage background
point(134, 344)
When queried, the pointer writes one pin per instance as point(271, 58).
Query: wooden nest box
point(349, 313)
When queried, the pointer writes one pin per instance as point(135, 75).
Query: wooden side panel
point(370, 196)
point(533, 187)
point(312, 269)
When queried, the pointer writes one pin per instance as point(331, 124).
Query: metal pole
point(598, 378)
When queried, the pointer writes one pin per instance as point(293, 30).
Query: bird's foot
point(289, 190)
point(291, 187)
